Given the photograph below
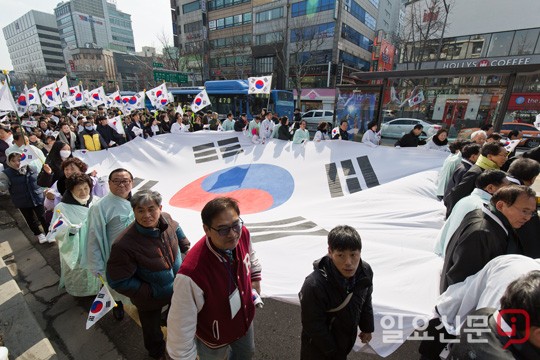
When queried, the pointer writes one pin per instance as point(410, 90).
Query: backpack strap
point(343, 304)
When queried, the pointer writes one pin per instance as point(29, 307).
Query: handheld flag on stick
point(260, 85)
point(103, 303)
point(58, 228)
point(201, 101)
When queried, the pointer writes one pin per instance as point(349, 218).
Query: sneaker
point(41, 238)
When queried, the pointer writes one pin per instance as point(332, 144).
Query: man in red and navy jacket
point(212, 310)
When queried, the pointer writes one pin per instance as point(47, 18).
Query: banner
point(292, 195)
point(103, 303)
point(159, 96)
point(260, 85)
point(200, 102)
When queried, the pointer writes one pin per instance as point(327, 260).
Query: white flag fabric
point(22, 101)
point(115, 99)
point(510, 145)
point(75, 97)
point(417, 99)
point(260, 85)
point(200, 102)
point(393, 96)
point(387, 194)
point(58, 228)
point(33, 96)
point(159, 96)
point(97, 97)
point(180, 110)
point(133, 102)
point(28, 155)
point(170, 96)
point(6, 99)
point(116, 124)
point(62, 88)
point(49, 97)
point(103, 303)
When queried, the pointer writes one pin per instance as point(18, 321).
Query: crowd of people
point(205, 292)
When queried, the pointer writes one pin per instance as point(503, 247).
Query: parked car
point(531, 135)
point(314, 117)
point(398, 127)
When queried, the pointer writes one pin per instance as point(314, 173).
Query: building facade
point(312, 43)
point(93, 67)
point(34, 45)
point(121, 31)
point(507, 34)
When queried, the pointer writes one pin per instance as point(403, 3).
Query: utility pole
point(287, 46)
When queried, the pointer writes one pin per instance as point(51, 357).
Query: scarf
point(486, 164)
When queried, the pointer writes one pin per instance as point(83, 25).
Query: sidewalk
point(37, 320)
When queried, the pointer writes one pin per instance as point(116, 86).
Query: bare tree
point(192, 60)
point(425, 24)
point(307, 38)
point(171, 57)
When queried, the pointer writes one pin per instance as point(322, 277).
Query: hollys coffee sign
point(486, 62)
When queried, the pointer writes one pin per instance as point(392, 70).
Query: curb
point(19, 329)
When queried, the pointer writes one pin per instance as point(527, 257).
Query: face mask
point(89, 128)
point(64, 154)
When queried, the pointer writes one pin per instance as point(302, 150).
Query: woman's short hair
point(75, 161)
point(322, 125)
point(77, 179)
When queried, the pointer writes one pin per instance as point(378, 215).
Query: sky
point(149, 19)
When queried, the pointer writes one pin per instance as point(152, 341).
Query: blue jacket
point(23, 188)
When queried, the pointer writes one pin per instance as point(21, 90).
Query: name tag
point(235, 302)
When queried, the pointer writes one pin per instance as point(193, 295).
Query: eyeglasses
point(224, 230)
point(121, 182)
point(526, 212)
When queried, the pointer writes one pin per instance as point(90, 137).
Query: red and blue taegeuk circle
point(259, 84)
point(78, 97)
point(198, 101)
point(58, 224)
point(159, 93)
point(163, 101)
point(23, 156)
point(133, 100)
point(95, 96)
point(22, 100)
point(97, 306)
point(30, 96)
point(49, 95)
point(257, 187)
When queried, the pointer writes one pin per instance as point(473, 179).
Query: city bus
point(232, 96)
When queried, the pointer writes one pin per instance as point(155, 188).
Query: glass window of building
point(190, 7)
point(524, 42)
point(269, 15)
point(500, 44)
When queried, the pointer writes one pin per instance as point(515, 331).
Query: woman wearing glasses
point(212, 310)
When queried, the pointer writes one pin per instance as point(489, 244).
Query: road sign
point(157, 65)
point(170, 76)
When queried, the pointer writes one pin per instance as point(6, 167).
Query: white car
point(314, 117)
point(398, 127)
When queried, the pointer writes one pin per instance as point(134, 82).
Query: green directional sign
point(170, 76)
point(157, 65)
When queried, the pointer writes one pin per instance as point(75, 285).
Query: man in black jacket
point(470, 154)
point(485, 234)
point(412, 139)
point(110, 135)
point(336, 299)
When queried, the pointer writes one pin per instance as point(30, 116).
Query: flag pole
point(104, 284)
point(269, 94)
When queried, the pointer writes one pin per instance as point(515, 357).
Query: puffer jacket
point(331, 335)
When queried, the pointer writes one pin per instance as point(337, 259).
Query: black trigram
point(265, 231)
point(143, 184)
point(215, 150)
point(351, 171)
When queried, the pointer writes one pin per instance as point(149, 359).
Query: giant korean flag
point(292, 195)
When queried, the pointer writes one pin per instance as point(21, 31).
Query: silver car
point(398, 127)
point(314, 117)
